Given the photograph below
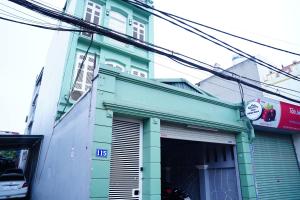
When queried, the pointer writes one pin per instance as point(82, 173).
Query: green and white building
point(123, 134)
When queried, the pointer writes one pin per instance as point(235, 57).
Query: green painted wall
point(105, 48)
point(120, 94)
point(245, 167)
point(151, 159)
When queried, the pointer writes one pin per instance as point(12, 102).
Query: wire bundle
point(83, 26)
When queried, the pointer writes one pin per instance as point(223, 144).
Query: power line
point(236, 36)
point(45, 27)
point(98, 29)
point(23, 13)
point(8, 14)
point(210, 38)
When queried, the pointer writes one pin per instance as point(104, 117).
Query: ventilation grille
point(125, 160)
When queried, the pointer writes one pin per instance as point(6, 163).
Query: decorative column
point(102, 140)
point(245, 167)
point(151, 160)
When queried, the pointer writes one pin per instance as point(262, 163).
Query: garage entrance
point(276, 169)
point(27, 148)
point(200, 164)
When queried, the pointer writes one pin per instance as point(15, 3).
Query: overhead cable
point(98, 29)
point(211, 38)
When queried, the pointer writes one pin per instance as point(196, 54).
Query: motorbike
point(174, 193)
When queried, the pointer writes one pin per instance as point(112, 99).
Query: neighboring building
point(276, 146)
point(30, 117)
point(280, 80)
point(229, 90)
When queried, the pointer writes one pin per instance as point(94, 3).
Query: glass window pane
point(91, 67)
point(135, 35)
point(78, 85)
point(88, 17)
point(89, 77)
point(87, 87)
point(80, 76)
point(96, 20)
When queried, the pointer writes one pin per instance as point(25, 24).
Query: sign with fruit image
point(277, 114)
point(268, 113)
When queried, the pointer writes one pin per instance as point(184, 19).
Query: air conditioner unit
point(76, 94)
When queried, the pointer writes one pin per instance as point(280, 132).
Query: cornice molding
point(142, 111)
point(164, 87)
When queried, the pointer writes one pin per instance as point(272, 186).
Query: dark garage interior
point(201, 170)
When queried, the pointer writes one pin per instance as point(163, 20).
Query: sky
point(23, 49)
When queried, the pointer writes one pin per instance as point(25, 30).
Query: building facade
point(275, 146)
point(286, 82)
point(117, 133)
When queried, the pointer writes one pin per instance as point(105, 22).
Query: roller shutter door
point(184, 133)
point(276, 168)
point(125, 176)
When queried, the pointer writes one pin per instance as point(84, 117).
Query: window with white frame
point(85, 74)
point(93, 14)
point(139, 31)
point(139, 73)
point(117, 22)
point(115, 64)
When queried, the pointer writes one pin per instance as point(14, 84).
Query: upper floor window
point(117, 22)
point(139, 30)
point(85, 75)
point(139, 73)
point(92, 14)
point(115, 64)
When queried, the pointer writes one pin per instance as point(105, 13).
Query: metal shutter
point(276, 168)
point(184, 133)
point(125, 160)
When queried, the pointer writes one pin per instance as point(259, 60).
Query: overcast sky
point(23, 49)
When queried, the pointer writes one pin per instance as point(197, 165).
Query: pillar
point(245, 167)
point(151, 160)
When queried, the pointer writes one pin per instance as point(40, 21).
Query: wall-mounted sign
point(102, 153)
point(253, 110)
point(277, 114)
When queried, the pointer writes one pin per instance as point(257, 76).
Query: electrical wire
point(233, 35)
point(8, 14)
point(210, 38)
point(45, 27)
point(207, 64)
point(174, 52)
point(82, 24)
point(23, 13)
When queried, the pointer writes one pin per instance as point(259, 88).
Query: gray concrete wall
point(229, 90)
point(46, 107)
point(65, 169)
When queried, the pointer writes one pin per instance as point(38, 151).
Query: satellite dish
point(75, 95)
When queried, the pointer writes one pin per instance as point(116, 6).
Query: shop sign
point(277, 114)
point(253, 110)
